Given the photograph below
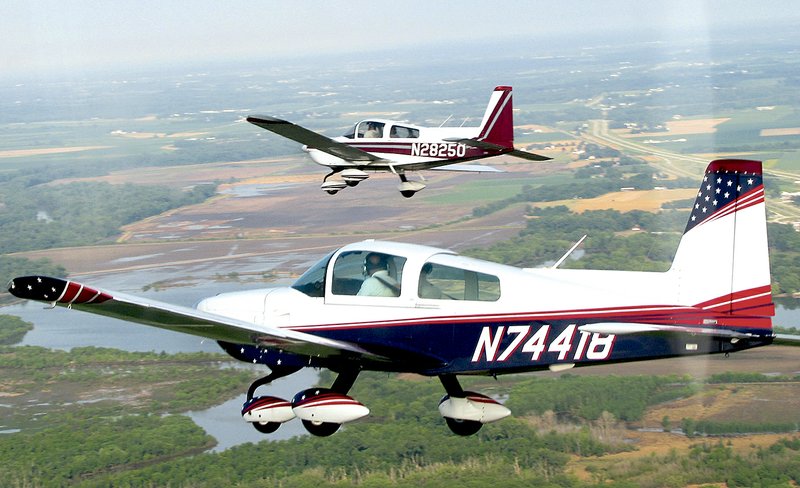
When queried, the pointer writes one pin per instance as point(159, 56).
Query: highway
point(677, 164)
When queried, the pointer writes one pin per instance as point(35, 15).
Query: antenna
point(464, 122)
point(445, 120)
point(565, 256)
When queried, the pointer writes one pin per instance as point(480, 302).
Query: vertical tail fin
point(722, 261)
point(497, 126)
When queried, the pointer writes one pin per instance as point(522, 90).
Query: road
point(677, 164)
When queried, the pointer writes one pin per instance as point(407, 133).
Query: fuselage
point(488, 317)
point(404, 146)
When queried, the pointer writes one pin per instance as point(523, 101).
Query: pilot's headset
point(372, 261)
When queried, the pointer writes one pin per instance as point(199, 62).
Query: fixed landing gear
point(409, 188)
point(321, 429)
point(463, 427)
point(332, 187)
point(267, 413)
point(465, 412)
point(350, 177)
point(266, 427)
point(322, 410)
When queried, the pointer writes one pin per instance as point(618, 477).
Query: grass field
point(484, 190)
point(625, 201)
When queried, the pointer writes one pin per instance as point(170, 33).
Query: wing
point(311, 139)
point(496, 147)
point(70, 294)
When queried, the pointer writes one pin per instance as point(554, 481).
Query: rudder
point(497, 126)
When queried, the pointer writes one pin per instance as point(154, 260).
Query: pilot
point(427, 289)
point(378, 282)
point(373, 130)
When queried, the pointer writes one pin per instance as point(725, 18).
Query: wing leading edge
point(75, 295)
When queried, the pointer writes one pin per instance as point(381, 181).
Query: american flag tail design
point(722, 261)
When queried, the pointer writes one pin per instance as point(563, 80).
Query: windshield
point(312, 282)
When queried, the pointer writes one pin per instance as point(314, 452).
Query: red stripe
point(661, 314)
point(326, 398)
point(734, 165)
point(755, 197)
point(267, 403)
point(495, 114)
point(71, 292)
point(481, 399)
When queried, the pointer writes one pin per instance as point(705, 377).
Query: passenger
point(426, 288)
point(378, 282)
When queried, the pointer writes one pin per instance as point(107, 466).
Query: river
point(60, 328)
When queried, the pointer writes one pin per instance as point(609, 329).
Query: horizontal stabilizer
point(468, 168)
point(623, 328)
point(529, 156)
point(488, 146)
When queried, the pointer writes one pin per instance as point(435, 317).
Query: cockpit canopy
point(381, 129)
point(377, 269)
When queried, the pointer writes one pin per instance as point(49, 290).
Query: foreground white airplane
point(386, 145)
point(385, 306)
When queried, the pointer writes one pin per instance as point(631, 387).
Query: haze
point(53, 37)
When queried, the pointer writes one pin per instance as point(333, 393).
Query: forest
point(403, 443)
point(78, 214)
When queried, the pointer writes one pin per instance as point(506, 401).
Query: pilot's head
point(374, 262)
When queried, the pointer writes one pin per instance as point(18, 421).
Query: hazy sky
point(57, 35)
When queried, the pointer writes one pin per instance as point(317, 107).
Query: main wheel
point(463, 427)
point(321, 429)
point(407, 193)
point(332, 192)
point(267, 427)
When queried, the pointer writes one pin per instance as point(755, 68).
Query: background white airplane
point(432, 312)
point(398, 147)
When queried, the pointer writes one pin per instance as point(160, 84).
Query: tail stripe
point(753, 198)
point(749, 298)
point(495, 116)
point(722, 194)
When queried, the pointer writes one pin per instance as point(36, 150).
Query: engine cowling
point(323, 405)
point(474, 407)
point(267, 409)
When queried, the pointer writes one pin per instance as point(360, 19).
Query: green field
point(483, 190)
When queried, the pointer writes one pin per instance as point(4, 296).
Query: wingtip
point(55, 290)
point(264, 119)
